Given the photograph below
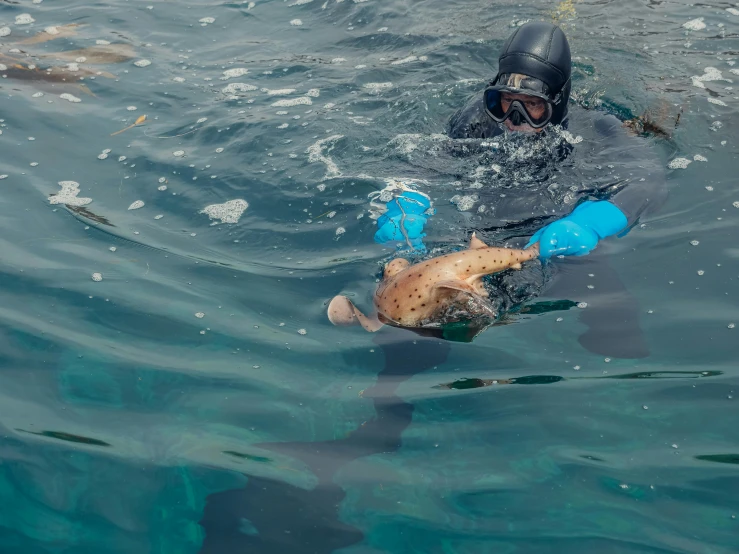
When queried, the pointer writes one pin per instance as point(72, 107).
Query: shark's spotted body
point(419, 295)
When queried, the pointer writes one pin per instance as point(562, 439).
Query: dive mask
point(524, 110)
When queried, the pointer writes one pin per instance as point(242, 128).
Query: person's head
point(532, 87)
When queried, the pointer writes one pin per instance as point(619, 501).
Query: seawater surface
point(169, 381)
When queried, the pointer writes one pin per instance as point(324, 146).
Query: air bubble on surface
point(68, 195)
point(228, 212)
point(136, 205)
point(69, 97)
point(679, 163)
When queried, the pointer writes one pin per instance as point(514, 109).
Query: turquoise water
point(196, 399)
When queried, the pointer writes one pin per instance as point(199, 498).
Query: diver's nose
point(516, 118)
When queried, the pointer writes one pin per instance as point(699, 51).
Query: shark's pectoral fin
point(341, 311)
point(455, 284)
point(476, 243)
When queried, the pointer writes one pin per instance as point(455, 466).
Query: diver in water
point(530, 95)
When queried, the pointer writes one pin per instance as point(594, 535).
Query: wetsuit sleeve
point(641, 182)
point(472, 121)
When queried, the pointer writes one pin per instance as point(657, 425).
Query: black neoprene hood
point(540, 50)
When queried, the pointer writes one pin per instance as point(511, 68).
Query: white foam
point(178, 153)
point(695, 24)
point(207, 20)
point(732, 11)
point(300, 101)
point(278, 92)
point(68, 195)
point(709, 74)
point(296, 22)
point(235, 72)
point(338, 60)
point(679, 163)
point(699, 158)
point(136, 205)
point(235, 88)
point(51, 30)
point(228, 212)
point(69, 97)
point(142, 63)
point(299, 3)
point(97, 277)
point(313, 93)
point(102, 42)
point(4, 31)
point(315, 154)
point(24, 19)
point(407, 59)
point(377, 88)
point(716, 101)
point(464, 203)
point(3, 67)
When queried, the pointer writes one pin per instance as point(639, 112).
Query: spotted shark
point(424, 294)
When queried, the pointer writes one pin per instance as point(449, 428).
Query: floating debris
point(136, 205)
point(695, 24)
point(97, 277)
point(228, 212)
point(68, 195)
point(679, 163)
point(69, 97)
point(142, 63)
point(138, 121)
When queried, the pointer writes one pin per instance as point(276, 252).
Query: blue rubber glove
point(578, 233)
point(404, 220)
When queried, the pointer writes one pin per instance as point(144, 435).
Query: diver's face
point(535, 106)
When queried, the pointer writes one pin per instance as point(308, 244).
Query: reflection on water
point(169, 380)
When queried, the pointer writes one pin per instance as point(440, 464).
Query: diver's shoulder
point(472, 121)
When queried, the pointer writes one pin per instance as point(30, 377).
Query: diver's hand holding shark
point(421, 294)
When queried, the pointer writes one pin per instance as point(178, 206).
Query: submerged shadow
point(269, 516)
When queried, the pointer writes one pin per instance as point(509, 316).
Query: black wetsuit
point(611, 165)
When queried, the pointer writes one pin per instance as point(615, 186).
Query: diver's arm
point(639, 180)
point(642, 176)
